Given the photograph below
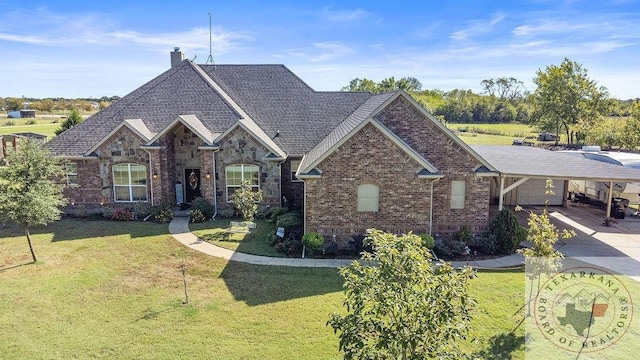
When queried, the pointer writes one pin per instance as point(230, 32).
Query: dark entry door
point(192, 185)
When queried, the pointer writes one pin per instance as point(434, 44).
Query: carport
point(523, 163)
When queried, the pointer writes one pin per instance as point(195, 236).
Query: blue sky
point(97, 48)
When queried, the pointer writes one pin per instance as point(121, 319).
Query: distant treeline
point(504, 100)
point(50, 105)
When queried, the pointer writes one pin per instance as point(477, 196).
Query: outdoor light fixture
point(155, 175)
point(208, 175)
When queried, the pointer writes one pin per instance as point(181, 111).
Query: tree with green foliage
point(246, 199)
point(399, 306)
point(506, 233)
point(567, 99)
point(30, 193)
point(505, 89)
point(542, 257)
point(72, 120)
point(13, 104)
point(408, 84)
point(631, 130)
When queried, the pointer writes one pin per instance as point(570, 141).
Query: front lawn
point(114, 290)
point(217, 233)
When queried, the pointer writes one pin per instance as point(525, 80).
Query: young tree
point(400, 306)
point(566, 98)
point(246, 200)
point(631, 137)
point(72, 120)
point(29, 192)
point(542, 257)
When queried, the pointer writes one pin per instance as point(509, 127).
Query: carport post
point(609, 198)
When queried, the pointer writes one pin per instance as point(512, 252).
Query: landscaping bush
point(205, 207)
point(312, 242)
point(505, 234)
point(289, 221)
point(10, 123)
point(277, 212)
point(161, 213)
point(449, 248)
point(141, 210)
point(32, 122)
point(122, 215)
point(358, 244)
point(196, 216)
point(427, 241)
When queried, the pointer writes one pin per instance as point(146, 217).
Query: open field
point(106, 290)
point(44, 124)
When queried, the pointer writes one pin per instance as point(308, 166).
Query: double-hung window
point(239, 173)
point(129, 182)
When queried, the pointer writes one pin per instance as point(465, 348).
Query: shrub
point(505, 234)
point(277, 212)
point(196, 216)
point(122, 215)
point(32, 122)
point(226, 213)
point(289, 222)
point(449, 248)
point(205, 207)
point(464, 234)
point(9, 123)
point(312, 241)
point(246, 200)
point(427, 241)
point(161, 214)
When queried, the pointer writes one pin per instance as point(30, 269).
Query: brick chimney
point(176, 56)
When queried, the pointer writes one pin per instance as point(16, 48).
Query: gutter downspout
point(431, 209)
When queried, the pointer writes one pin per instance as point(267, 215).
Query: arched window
point(368, 195)
point(237, 174)
point(129, 182)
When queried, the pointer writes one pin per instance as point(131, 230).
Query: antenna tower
point(210, 58)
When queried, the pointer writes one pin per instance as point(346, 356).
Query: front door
point(192, 184)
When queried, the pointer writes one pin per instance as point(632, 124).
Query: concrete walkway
point(179, 228)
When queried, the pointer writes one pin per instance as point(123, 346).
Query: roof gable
point(137, 126)
point(308, 166)
point(439, 125)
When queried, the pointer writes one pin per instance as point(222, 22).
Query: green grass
point(507, 132)
point(48, 129)
point(216, 232)
point(114, 290)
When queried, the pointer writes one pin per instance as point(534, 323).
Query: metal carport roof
point(527, 161)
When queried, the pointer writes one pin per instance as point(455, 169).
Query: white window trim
point(458, 200)
point(366, 192)
point(226, 179)
point(293, 171)
point(67, 173)
point(130, 186)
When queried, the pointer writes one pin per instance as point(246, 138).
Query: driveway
point(615, 247)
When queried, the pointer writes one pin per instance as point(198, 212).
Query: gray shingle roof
point(526, 161)
point(344, 128)
point(275, 98)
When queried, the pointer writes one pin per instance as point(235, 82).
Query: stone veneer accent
point(239, 147)
point(421, 134)
point(369, 157)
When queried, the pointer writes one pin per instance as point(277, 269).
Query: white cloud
point(322, 52)
point(478, 27)
point(79, 30)
point(329, 14)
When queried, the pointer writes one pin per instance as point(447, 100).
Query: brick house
point(348, 160)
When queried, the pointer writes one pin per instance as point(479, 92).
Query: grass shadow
point(220, 233)
point(501, 347)
point(16, 266)
point(75, 229)
point(259, 284)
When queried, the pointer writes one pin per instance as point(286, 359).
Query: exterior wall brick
point(89, 184)
point(292, 191)
point(369, 157)
point(239, 147)
point(408, 122)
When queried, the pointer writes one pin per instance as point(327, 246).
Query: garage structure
point(522, 173)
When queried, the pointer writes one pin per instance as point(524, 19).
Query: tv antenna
point(210, 58)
